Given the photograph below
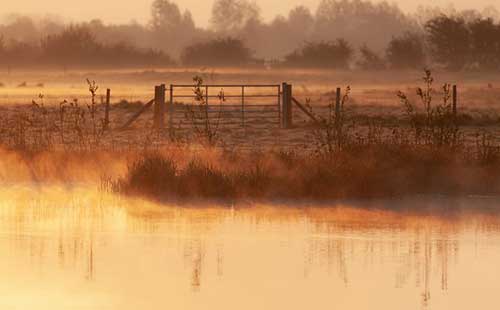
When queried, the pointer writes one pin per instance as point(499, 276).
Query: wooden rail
point(301, 107)
point(137, 114)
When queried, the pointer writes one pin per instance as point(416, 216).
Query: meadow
point(388, 140)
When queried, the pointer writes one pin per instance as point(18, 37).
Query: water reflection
point(92, 250)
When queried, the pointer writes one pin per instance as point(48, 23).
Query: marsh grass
point(427, 155)
point(421, 152)
point(364, 171)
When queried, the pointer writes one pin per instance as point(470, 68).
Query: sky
point(122, 11)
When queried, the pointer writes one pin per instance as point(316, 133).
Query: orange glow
point(84, 249)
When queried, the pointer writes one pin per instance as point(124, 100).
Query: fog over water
point(81, 249)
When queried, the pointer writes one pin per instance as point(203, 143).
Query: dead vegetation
point(426, 150)
point(357, 171)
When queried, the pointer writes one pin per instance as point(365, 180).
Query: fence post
point(243, 106)
point(287, 106)
point(454, 98)
point(171, 107)
point(337, 103)
point(106, 108)
point(283, 105)
point(280, 114)
point(159, 109)
point(156, 107)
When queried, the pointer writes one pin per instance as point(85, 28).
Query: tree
point(449, 40)
point(21, 28)
point(232, 15)
point(2, 45)
point(361, 21)
point(165, 16)
point(370, 60)
point(485, 43)
point(337, 54)
point(218, 52)
point(75, 42)
point(301, 20)
point(171, 29)
point(77, 45)
point(406, 52)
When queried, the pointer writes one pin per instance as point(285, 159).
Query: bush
point(76, 45)
point(370, 60)
point(16, 52)
point(485, 43)
point(218, 52)
point(337, 55)
point(449, 39)
point(406, 52)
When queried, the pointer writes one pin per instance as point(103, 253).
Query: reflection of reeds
point(346, 244)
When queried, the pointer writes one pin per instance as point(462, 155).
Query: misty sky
point(119, 11)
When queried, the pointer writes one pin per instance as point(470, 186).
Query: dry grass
point(357, 171)
point(364, 151)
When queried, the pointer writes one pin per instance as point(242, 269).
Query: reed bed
point(359, 171)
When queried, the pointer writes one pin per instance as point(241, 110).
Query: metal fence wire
point(256, 106)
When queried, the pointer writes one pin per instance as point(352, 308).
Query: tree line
point(341, 34)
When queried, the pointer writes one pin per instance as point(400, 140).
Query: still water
point(78, 249)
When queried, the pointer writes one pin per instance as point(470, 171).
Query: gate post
point(337, 103)
point(454, 101)
point(286, 106)
point(159, 108)
point(171, 108)
point(106, 108)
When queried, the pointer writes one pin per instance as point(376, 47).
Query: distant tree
point(485, 43)
point(449, 40)
point(301, 20)
point(75, 42)
point(2, 45)
point(337, 54)
point(165, 15)
point(171, 29)
point(77, 45)
point(19, 53)
point(370, 60)
point(218, 52)
point(21, 28)
point(232, 15)
point(491, 12)
point(360, 21)
point(406, 52)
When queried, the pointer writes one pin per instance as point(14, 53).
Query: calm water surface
point(76, 249)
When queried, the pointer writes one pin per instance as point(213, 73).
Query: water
point(76, 249)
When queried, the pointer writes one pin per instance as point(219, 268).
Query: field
point(373, 148)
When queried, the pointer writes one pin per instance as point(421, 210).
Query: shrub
point(370, 60)
point(323, 54)
point(76, 45)
point(449, 40)
point(485, 43)
point(218, 52)
point(436, 126)
point(406, 52)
